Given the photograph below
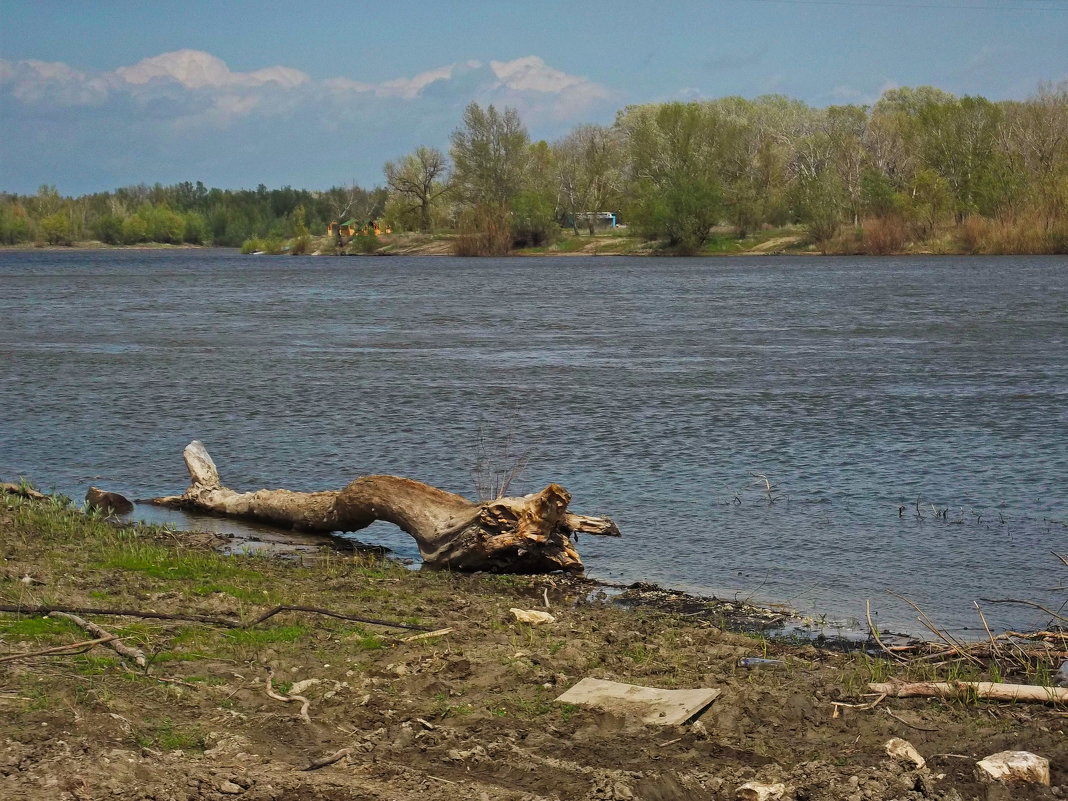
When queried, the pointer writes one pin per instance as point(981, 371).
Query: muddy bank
point(468, 713)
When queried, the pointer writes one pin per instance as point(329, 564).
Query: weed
point(89, 665)
point(166, 735)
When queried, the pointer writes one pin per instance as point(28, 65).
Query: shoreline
point(464, 706)
point(441, 247)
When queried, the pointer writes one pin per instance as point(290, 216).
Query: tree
point(418, 180)
point(674, 180)
point(57, 229)
point(489, 154)
point(589, 168)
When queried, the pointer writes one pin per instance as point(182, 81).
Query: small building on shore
point(351, 228)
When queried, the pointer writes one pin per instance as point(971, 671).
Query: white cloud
point(35, 81)
point(188, 113)
point(196, 69)
point(527, 82)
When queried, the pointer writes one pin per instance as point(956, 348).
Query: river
point(871, 392)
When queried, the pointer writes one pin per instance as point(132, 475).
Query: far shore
point(788, 242)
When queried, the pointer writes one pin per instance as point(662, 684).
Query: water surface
point(651, 388)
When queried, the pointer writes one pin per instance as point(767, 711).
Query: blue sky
point(104, 94)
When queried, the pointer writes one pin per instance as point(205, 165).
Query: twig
point(902, 720)
point(337, 756)
point(84, 610)
point(1032, 604)
point(63, 650)
point(982, 617)
point(861, 707)
point(116, 645)
point(178, 682)
point(317, 611)
point(875, 633)
point(438, 633)
point(670, 742)
point(929, 624)
point(272, 694)
point(214, 621)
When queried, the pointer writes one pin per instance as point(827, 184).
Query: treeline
point(920, 169)
point(185, 213)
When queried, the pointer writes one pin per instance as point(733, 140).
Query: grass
point(166, 735)
point(162, 562)
point(36, 628)
point(261, 637)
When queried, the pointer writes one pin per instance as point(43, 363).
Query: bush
point(484, 231)
point(300, 245)
point(15, 226)
point(533, 222)
point(108, 229)
point(57, 229)
point(134, 230)
point(882, 236)
point(196, 229)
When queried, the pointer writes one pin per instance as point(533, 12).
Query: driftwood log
point(532, 534)
point(976, 689)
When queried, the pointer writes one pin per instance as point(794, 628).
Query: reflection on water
point(651, 388)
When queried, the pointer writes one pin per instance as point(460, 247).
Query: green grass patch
point(166, 735)
point(722, 244)
point(249, 594)
point(162, 562)
point(36, 628)
point(361, 640)
point(260, 637)
point(89, 665)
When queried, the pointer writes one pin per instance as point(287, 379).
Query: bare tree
point(418, 180)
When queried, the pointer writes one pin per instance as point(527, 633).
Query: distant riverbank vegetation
point(919, 171)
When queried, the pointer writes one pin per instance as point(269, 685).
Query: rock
point(230, 788)
point(1061, 679)
point(1013, 767)
point(904, 751)
point(759, 791)
point(532, 616)
point(109, 502)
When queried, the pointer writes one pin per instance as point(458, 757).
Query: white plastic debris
point(1014, 767)
point(532, 616)
point(904, 751)
point(759, 791)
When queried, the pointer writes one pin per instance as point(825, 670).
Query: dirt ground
point(469, 714)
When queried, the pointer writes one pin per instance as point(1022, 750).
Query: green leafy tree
point(490, 153)
point(674, 186)
point(57, 229)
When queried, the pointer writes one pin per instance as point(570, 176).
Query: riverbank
point(789, 240)
point(467, 712)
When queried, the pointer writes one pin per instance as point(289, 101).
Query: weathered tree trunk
point(532, 534)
